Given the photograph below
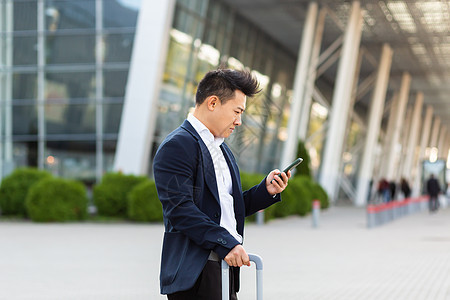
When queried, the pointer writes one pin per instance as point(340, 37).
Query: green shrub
point(57, 200)
point(143, 203)
point(110, 196)
point(14, 189)
point(296, 198)
point(320, 194)
point(303, 169)
point(287, 206)
point(303, 192)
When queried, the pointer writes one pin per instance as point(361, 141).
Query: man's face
point(228, 115)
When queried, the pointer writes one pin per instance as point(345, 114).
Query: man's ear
point(212, 102)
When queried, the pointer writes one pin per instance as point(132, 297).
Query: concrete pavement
point(342, 259)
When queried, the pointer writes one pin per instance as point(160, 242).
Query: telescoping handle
point(226, 277)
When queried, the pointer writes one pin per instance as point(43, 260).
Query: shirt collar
point(204, 132)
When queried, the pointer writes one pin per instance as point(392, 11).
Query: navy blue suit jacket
point(186, 183)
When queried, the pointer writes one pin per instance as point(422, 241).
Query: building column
point(398, 118)
point(425, 137)
point(373, 128)
point(138, 120)
point(435, 132)
point(2, 84)
point(442, 141)
point(413, 136)
point(301, 73)
point(403, 143)
point(332, 157)
point(99, 53)
point(6, 145)
point(41, 84)
point(312, 74)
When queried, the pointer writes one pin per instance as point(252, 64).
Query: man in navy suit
point(199, 186)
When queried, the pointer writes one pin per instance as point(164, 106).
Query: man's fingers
point(237, 257)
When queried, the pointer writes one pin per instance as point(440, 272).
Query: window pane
point(70, 85)
point(109, 149)
point(69, 118)
point(71, 159)
point(118, 47)
point(25, 154)
point(25, 15)
point(24, 119)
point(24, 86)
point(112, 112)
point(25, 51)
point(70, 14)
point(120, 13)
point(70, 49)
point(115, 83)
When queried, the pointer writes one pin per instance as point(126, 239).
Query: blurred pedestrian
point(433, 190)
point(392, 189)
point(404, 186)
point(384, 192)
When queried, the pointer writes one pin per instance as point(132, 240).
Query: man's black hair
point(224, 82)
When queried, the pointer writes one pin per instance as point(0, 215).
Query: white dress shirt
point(223, 176)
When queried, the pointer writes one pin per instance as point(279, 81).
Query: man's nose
point(238, 120)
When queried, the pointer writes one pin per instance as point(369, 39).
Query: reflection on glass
point(120, 13)
point(62, 90)
point(70, 49)
point(69, 118)
point(60, 85)
point(24, 86)
point(25, 50)
point(109, 149)
point(65, 14)
point(71, 159)
point(112, 113)
point(177, 60)
point(118, 47)
point(24, 119)
point(114, 83)
point(25, 154)
point(25, 15)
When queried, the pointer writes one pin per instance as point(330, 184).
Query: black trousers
point(208, 285)
point(434, 203)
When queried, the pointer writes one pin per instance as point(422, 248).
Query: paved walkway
point(406, 259)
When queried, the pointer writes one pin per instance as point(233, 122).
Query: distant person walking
point(433, 190)
point(404, 186)
point(384, 191)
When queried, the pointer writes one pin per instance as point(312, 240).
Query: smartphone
point(291, 166)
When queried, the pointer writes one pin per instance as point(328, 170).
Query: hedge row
point(43, 198)
point(296, 198)
point(128, 196)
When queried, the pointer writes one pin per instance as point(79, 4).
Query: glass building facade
point(64, 71)
point(206, 35)
point(64, 68)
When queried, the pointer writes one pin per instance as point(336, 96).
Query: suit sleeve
point(174, 170)
point(257, 198)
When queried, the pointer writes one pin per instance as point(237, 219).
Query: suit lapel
point(208, 165)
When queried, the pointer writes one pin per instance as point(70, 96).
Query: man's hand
point(275, 184)
point(237, 257)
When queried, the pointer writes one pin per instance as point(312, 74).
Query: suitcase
point(226, 279)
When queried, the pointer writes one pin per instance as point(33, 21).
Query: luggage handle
point(226, 277)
